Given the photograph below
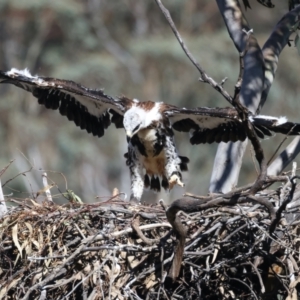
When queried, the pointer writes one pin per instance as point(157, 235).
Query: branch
point(181, 233)
point(278, 39)
point(285, 157)
point(204, 77)
point(238, 29)
point(283, 205)
point(248, 91)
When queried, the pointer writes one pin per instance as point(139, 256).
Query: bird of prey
point(152, 156)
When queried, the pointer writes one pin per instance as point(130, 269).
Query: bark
point(229, 156)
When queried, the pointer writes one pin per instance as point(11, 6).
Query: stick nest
point(113, 250)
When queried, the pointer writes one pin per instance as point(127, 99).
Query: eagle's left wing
point(208, 125)
point(88, 108)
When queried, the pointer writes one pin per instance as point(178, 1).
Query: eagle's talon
point(175, 179)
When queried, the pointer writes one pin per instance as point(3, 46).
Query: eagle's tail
point(265, 125)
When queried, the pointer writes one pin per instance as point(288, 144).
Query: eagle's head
point(137, 118)
point(133, 122)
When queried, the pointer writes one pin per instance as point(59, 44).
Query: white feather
point(13, 72)
point(279, 121)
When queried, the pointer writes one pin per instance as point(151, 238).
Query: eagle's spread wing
point(208, 125)
point(88, 108)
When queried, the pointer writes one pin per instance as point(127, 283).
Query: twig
point(84, 279)
point(180, 231)
point(279, 146)
point(285, 157)
point(243, 189)
point(125, 231)
point(244, 283)
point(6, 167)
point(134, 248)
point(263, 289)
point(58, 272)
point(283, 205)
point(204, 77)
point(135, 226)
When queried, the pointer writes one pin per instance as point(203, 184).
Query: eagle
point(152, 157)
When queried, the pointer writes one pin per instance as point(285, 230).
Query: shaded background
point(125, 47)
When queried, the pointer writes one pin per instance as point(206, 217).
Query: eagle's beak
point(129, 134)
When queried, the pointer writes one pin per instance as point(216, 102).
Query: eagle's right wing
point(208, 125)
point(88, 108)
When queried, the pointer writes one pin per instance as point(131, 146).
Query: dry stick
point(269, 180)
point(285, 157)
point(244, 283)
point(6, 167)
point(287, 247)
point(43, 295)
point(181, 233)
point(279, 146)
point(135, 223)
point(122, 232)
point(263, 289)
point(60, 271)
point(133, 248)
point(59, 173)
point(85, 278)
point(61, 282)
point(21, 173)
point(204, 77)
point(192, 205)
point(252, 157)
point(283, 205)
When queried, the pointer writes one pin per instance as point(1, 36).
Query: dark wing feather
point(88, 108)
point(280, 125)
point(207, 125)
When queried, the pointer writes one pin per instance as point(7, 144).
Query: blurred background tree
point(127, 48)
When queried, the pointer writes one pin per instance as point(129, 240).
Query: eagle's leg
point(172, 164)
point(136, 176)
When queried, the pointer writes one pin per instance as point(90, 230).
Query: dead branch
point(204, 77)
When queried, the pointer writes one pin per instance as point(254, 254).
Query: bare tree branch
point(229, 156)
point(285, 157)
point(204, 77)
point(283, 205)
point(278, 39)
